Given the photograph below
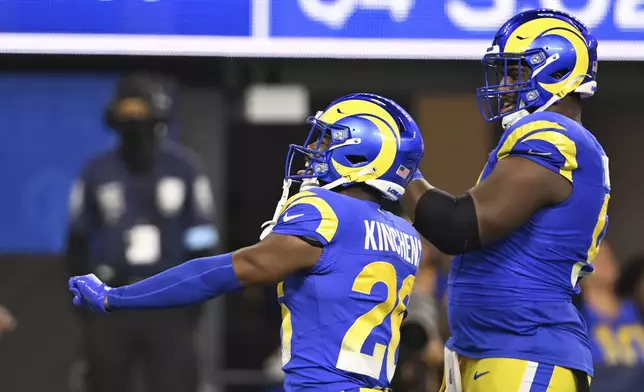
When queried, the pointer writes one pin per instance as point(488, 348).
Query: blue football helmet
point(536, 59)
point(359, 138)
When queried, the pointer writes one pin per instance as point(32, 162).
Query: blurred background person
point(138, 209)
point(615, 328)
point(7, 321)
point(630, 285)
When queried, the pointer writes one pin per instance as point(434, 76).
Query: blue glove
point(417, 176)
point(89, 292)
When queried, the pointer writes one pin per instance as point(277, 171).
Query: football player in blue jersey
point(344, 266)
point(529, 229)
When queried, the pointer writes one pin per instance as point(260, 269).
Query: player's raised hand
point(89, 292)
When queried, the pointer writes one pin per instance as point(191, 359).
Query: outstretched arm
point(198, 280)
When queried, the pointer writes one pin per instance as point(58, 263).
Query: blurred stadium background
point(247, 73)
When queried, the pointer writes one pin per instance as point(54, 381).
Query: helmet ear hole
point(356, 159)
point(560, 74)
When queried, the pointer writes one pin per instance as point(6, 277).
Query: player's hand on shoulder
point(416, 188)
point(89, 292)
point(417, 176)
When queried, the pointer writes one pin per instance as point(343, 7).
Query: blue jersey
point(341, 319)
point(513, 298)
point(618, 348)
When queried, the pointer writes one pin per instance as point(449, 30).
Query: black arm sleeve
point(448, 222)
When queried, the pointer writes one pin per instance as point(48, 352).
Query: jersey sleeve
point(308, 215)
point(544, 142)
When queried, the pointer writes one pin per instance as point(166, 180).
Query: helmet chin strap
point(309, 183)
point(268, 225)
point(351, 177)
point(306, 185)
point(511, 119)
